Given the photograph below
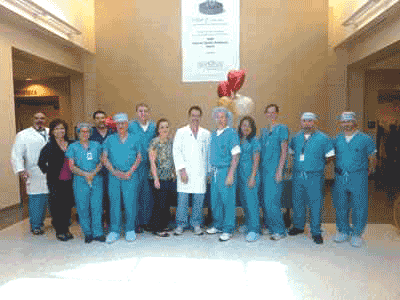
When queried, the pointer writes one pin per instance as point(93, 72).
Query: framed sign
point(210, 39)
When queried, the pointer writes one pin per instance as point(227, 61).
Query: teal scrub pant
point(272, 192)
point(249, 198)
point(145, 197)
point(308, 191)
point(89, 203)
point(128, 190)
point(351, 192)
point(223, 201)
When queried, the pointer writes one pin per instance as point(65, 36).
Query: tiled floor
point(189, 267)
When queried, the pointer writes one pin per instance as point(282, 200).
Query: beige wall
point(77, 13)
point(284, 47)
point(46, 47)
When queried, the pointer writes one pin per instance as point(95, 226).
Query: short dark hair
point(252, 125)
point(39, 112)
point(142, 105)
point(98, 112)
point(195, 107)
point(158, 124)
point(53, 124)
point(272, 105)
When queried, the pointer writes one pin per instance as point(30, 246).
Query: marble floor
point(191, 267)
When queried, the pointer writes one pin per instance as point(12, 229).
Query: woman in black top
point(54, 164)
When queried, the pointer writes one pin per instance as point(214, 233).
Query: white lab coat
point(25, 156)
point(192, 154)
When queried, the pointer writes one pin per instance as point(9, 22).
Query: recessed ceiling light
point(28, 79)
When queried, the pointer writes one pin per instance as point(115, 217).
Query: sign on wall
point(210, 39)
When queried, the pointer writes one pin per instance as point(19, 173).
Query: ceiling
point(26, 66)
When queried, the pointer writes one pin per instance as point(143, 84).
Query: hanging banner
point(210, 39)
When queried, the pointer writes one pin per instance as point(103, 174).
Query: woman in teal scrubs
point(274, 147)
point(248, 177)
point(84, 161)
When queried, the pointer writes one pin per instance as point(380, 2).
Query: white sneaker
point(225, 237)
point(197, 230)
point(356, 241)
point(341, 237)
point(112, 237)
point(213, 230)
point(130, 236)
point(277, 237)
point(178, 230)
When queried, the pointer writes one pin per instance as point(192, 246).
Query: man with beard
point(24, 158)
point(355, 160)
point(311, 150)
point(99, 134)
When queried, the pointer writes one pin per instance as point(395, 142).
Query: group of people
point(127, 178)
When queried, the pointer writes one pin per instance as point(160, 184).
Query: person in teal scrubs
point(85, 162)
point(355, 160)
point(274, 147)
point(311, 150)
point(248, 176)
point(145, 130)
point(224, 159)
point(122, 156)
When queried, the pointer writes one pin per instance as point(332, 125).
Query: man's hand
point(184, 176)
point(157, 183)
point(24, 175)
point(229, 179)
point(119, 174)
point(278, 176)
point(251, 182)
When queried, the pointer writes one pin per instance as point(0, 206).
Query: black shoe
point(101, 238)
point(62, 237)
point(37, 231)
point(318, 239)
point(88, 239)
point(139, 230)
point(161, 233)
point(286, 219)
point(295, 231)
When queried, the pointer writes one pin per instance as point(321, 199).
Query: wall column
point(9, 187)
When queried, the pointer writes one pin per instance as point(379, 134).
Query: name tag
point(89, 156)
point(301, 157)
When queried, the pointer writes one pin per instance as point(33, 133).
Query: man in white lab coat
point(191, 155)
point(24, 158)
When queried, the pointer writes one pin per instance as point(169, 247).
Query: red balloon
point(236, 79)
point(224, 89)
point(110, 123)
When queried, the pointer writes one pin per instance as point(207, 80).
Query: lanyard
point(306, 142)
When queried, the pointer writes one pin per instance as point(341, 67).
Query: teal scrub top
point(248, 149)
point(353, 156)
point(314, 149)
point(85, 159)
point(122, 155)
point(144, 136)
point(271, 142)
point(221, 147)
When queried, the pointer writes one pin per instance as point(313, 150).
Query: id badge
point(89, 156)
point(301, 157)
